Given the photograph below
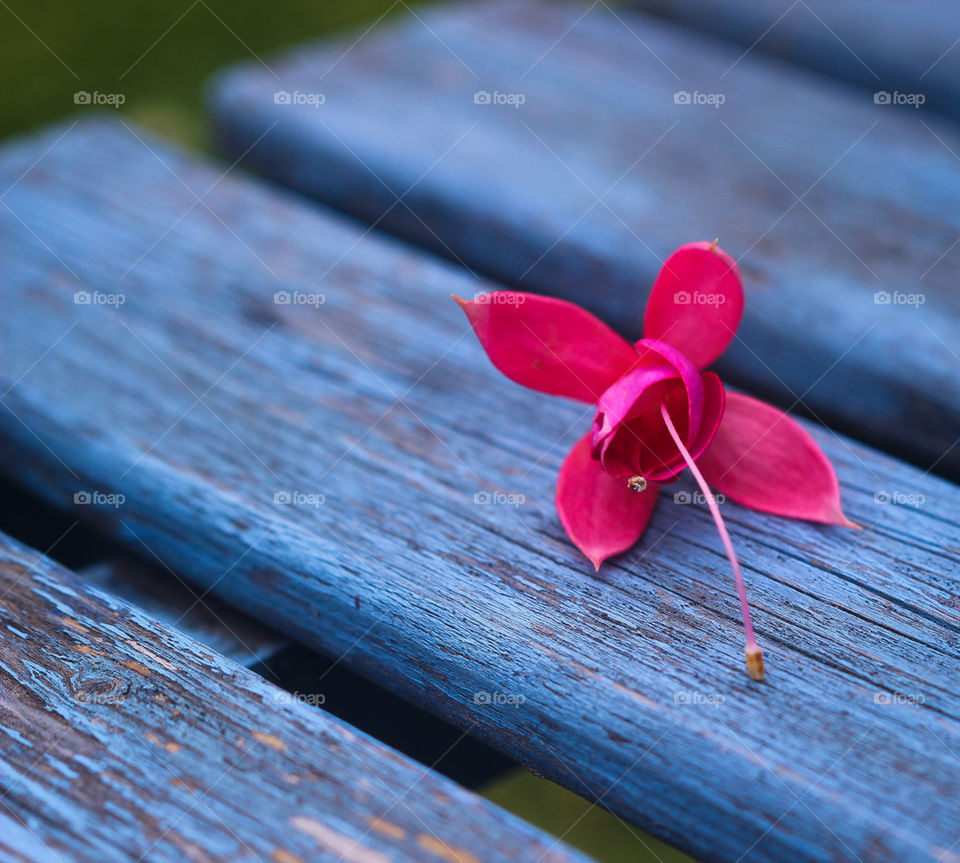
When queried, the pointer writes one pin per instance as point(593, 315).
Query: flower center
point(754, 655)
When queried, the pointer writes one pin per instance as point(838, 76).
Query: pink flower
point(657, 412)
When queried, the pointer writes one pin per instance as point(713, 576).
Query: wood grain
point(626, 685)
point(830, 202)
point(121, 739)
point(878, 44)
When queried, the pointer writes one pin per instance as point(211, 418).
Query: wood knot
point(98, 683)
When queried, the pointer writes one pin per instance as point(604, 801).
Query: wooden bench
point(841, 212)
point(882, 45)
point(121, 739)
point(222, 410)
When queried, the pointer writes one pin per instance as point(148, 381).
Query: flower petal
point(766, 460)
point(629, 436)
point(714, 405)
point(547, 344)
point(637, 445)
point(687, 372)
point(714, 399)
point(599, 513)
point(637, 391)
point(696, 302)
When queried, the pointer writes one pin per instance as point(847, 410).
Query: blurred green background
point(159, 55)
point(578, 822)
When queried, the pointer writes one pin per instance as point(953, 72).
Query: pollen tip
point(460, 301)
point(713, 245)
point(754, 662)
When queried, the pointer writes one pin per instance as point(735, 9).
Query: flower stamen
point(754, 655)
point(637, 483)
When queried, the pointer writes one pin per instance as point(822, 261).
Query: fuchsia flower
point(657, 412)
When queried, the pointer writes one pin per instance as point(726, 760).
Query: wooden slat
point(884, 45)
point(586, 187)
point(122, 739)
point(381, 400)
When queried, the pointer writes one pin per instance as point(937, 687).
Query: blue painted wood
point(626, 685)
point(883, 45)
point(122, 739)
point(832, 204)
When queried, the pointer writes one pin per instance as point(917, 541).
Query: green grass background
point(158, 55)
point(578, 822)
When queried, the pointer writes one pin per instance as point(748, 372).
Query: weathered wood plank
point(624, 685)
point(830, 202)
point(123, 739)
point(884, 45)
